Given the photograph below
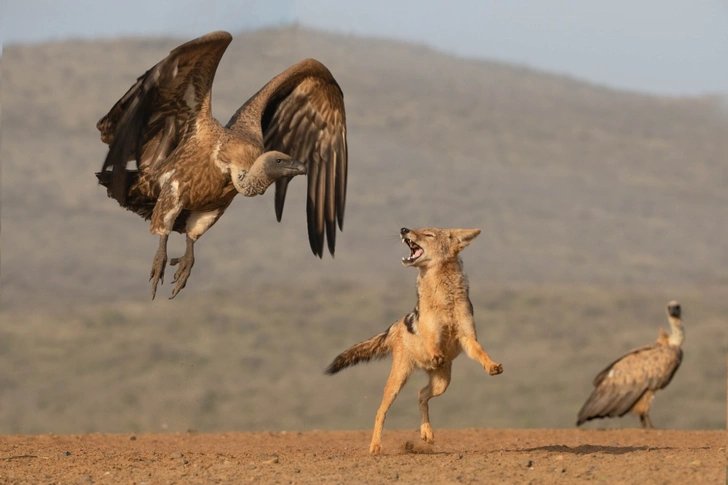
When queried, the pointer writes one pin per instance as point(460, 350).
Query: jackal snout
point(432, 244)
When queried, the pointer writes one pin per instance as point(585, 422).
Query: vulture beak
point(299, 168)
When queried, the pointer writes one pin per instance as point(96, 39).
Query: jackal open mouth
point(415, 251)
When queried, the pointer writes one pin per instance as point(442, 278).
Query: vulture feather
point(186, 167)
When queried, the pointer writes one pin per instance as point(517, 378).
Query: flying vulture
point(188, 167)
point(630, 382)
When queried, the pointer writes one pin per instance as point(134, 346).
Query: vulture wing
point(301, 113)
point(161, 109)
point(622, 383)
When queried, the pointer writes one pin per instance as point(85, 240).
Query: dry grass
point(597, 207)
point(254, 360)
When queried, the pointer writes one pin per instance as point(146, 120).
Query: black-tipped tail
point(376, 347)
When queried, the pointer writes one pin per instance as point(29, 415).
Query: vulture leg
point(646, 421)
point(185, 267)
point(160, 260)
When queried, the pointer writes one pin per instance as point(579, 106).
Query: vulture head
point(268, 168)
point(673, 309)
point(674, 314)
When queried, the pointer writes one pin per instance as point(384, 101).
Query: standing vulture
point(188, 167)
point(630, 382)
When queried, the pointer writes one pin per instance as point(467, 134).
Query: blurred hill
point(597, 206)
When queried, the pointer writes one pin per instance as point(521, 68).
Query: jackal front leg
point(437, 359)
point(401, 370)
point(432, 346)
point(439, 380)
point(475, 351)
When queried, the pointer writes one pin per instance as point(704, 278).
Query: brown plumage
point(630, 382)
point(189, 167)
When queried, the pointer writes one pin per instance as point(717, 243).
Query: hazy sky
point(660, 46)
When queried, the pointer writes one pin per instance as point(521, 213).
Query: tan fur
point(433, 334)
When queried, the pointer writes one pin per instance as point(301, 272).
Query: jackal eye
point(429, 234)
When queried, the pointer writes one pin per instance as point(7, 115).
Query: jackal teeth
point(415, 250)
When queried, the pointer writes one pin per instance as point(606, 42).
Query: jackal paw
point(438, 360)
point(494, 369)
point(375, 448)
point(426, 433)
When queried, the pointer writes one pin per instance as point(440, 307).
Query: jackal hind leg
point(439, 380)
point(401, 370)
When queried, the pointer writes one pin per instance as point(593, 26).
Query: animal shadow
point(590, 449)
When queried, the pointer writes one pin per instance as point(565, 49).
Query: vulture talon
point(185, 267)
point(185, 178)
point(160, 260)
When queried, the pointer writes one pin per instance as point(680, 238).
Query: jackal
point(432, 335)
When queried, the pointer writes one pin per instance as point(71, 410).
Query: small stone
point(132, 438)
point(396, 475)
point(175, 455)
point(527, 463)
point(86, 479)
point(695, 463)
point(559, 458)
point(251, 467)
point(272, 461)
point(296, 470)
point(460, 457)
point(67, 453)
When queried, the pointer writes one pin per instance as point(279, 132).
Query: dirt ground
point(459, 456)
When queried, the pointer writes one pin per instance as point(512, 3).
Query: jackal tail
point(376, 347)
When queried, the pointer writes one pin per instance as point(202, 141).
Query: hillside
point(570, 182)
point(597, 206)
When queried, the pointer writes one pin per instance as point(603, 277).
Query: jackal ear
point(464, 236)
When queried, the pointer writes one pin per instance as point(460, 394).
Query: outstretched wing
point(622, 383)
point(301, 112)
point(161, 109)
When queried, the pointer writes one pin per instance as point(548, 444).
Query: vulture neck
point(254, 181)
point(678, 334)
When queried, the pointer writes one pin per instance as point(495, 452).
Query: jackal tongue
point(415, 251)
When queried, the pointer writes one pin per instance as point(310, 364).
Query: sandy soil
point(459, 456)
